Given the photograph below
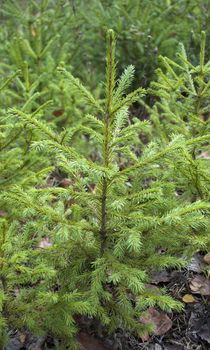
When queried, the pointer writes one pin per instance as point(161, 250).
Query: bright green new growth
point(108, 226)
point(184, 90)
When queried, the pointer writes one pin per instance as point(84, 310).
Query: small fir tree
point(21, 267)
point(183, 95)
point(108, 226)
point(46, 33)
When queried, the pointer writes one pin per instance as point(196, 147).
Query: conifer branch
point(6, 83)
point(123, 83)
point(83, 91)
point(151, 159)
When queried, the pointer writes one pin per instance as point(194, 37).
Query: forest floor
point(188, 329)
point(185, 330)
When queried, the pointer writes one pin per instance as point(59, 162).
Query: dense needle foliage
point(94, 199)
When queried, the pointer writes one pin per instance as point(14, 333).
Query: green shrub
point(182, 95)
point(19, 166)
point(47, 32)
point(120, 209)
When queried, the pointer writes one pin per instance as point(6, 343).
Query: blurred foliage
point(73, 31)
point(145, 29)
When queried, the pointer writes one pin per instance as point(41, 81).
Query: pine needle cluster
point(119, 219)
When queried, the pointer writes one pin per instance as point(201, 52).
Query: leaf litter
point(186, 330)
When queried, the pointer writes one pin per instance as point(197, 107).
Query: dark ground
point(189, 329)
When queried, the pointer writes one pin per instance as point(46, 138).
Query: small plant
point(108, 226)
point(183, 99)
point(45, 34)
point(21, 267)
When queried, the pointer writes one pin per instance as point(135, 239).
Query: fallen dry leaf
point(65, 183)
point(3, 214)
point(162, 323)
point(188, 298)
point(200, 285)
point(205, 155)
point(196, 264)
point(206, 258)
point(45, 243)
point(22, 338)
point(58, 112)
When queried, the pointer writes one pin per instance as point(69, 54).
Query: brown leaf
point(205, 155)
point(188, 298)
point(162, 323)
point(3, 214)
point(200, 285)
point(22, 338)
point(196, 264)
point(65, 183)
point(45, 243)
point(58, 112)
point(206, 258)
